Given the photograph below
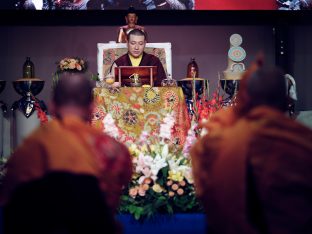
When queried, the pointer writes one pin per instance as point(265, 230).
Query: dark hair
point(136, 32)
point(59, 202)
point(73, 89)
point(268, 87)
point(131, 10)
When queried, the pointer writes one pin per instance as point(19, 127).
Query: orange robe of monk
point(253, 173)
point(72, 146)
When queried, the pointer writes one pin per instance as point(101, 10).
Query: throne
point(107, 53)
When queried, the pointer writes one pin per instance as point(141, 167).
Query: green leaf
point(138, 212)
point(160, 202)
point(169, 209)
point(124, 198)
point(137, 216)
point(162, 176)
point(132, 209)
point(95, 77)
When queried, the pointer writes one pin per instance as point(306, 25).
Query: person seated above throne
point(131, 20)
point(136, 41)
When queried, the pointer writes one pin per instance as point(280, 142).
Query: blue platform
point(178, 223)
point(173, 224)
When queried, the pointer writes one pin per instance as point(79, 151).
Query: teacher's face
point(136, 45)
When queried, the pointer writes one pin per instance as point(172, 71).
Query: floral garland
point(205, 108)
point(41, 114)
point(41, 109)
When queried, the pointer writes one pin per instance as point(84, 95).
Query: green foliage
point(3, 162)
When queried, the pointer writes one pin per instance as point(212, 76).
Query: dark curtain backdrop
point(208, 44)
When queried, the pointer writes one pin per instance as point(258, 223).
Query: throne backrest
point(108, 52)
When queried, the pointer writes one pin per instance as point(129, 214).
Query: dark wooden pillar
point(282, 47)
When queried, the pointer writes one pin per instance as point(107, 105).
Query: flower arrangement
point(205, 106)
point(72, 65)
point(75, 64)
point(162, 182)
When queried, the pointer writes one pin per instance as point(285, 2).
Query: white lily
point(110, 127)
point(165, 151)
point(158, 163)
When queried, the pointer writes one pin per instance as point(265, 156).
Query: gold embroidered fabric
point(137, 109)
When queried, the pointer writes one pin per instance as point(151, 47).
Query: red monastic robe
point(147, 60)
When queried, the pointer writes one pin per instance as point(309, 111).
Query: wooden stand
point(147, 74)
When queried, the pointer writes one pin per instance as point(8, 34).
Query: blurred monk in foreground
point(66, 177)
point(252, 170)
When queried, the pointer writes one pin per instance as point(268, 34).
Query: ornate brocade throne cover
point(138, 109)
point(107, 53)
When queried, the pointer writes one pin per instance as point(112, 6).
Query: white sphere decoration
point(236, 40)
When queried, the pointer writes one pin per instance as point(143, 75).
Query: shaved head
point(73, 95)
point(136, 32)
point(73, 89)
point(268, 87)
point(262, 86)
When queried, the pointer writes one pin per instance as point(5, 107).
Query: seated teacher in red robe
point(136, 41)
